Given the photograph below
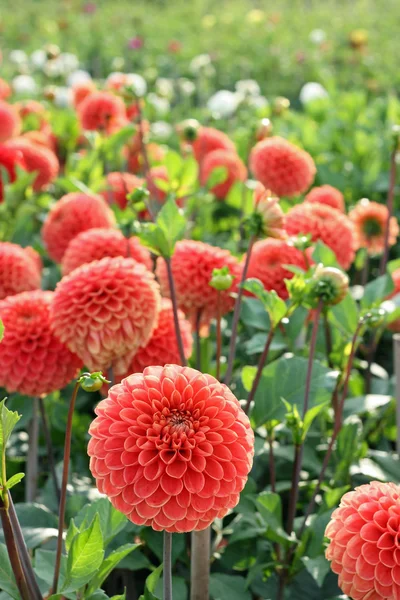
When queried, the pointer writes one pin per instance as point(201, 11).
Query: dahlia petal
point(177, 469)
point(370, 532)
point(145, 488)
point(146, 511)
point(214, 469)
point(194, 481)
point(396, 575)
point(385, 541)
point(363, 568)
point(354, 546)
point(370, 553)
point(173, 510)
point(147, 457)
point(171, 485)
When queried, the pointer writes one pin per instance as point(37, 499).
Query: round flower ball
point(102, 111)
point(364, 542)
point(105, 310)
point(33, 361)
point(192, 265)
point(10, 158)
point(209, 139)
point(118, 186)
point(72, 214)
point(370, 221)
point(326, 194)
point(233, 165)
point(20, 269)
point(80, 91)
point(38, 159)
point(10, 122)
point(171, 448)
point(95, 244)
point(282, 167)
point(267, 263)
point(326, 224)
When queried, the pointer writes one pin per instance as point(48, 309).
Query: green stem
point(261, 363)
point(175, 311)
point(32, 470)
point(50, 449)
point(167, 566)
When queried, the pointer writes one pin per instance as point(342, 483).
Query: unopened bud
point(52, 51)
point(329, 285)
point(281, 105)
point(272, 221)
point(221, 279)
point(140, 194)
point(92, 382)
point(188, 130)
point(264, 129)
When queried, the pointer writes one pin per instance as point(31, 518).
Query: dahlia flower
point(72, 214)
point(105, 310)
point(267, 263)
point(118, 186)
point(20, 269)
point(80, 91)
point(364, 542)
point(370, 222)
point(326, 224)
point(209, 139)
point(282, 167)
point(272, 216)
point(10, 158)
point(10, 123)
point(326, 194)
point(5, 90)
point(171, 448)
point(97, 243)
point(234, 166)
point(395, 325)
point(37, 159)
point(102, 111)
point(32, 360)
point(193, 264)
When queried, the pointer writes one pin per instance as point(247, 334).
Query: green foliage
point(160, 237)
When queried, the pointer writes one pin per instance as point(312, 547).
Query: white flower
point(68, 62)
point(18, 57)
point(78, 77)
point(223, 104)
point(24, 85)
point(38, 59)
point(53, 68)
point(248, 87)
point(312, 91)
point(317, 36)
point(161, 129)
point(63, 97)
point(201, 65)
point(161, 105)
point(165, 87)
point(137, 83)
point(257, 102)
point(186, 87)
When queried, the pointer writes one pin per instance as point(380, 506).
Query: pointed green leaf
point(14, 480)
point(7, 578)
point(71, 533)
point(109, 564)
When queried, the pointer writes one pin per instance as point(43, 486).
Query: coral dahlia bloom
point(326, 224)
point(234, 166)
point(10, 158)
point(30, 107)
point(72, 214)
point(105, 310)
point(192, 267)
point(282, 167)
point(395, 325)
point(5, 90)
point(32, 360)
point(95, 244)
point(118, 186)
point(10, 122)
point(267, 263)
point(326, 194)
point(370, 223)
point(273, 218)
point(37, 159)
point(102, 111)
point(171, 448)
point(20, 269)
point(80, 91)
point(364, 542)
point(209, 139)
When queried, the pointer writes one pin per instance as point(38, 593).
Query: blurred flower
point(255, 16)
point(317, 36)
point(257, 102)
point(174, 46)
point(20, 269)
point(209, 139)
point(234, 167)
point(165, 87)
point(89, 8)
point(223, 104)
point(281, 105)
point(78, 77)
point(160, 105)
point(161, 129)
point(248, 87)
point(201, 64)
point(9, 160)
point(186, 87)
point(102, 111)
point(370, 224)
point(38, 58)
point(136, 43)
point(118, 63)
point(118, 186)
point(312, 91)
point(326, 194)
point(18, 57)
point(329, 284)
point(68, 62)
point(10, 122)
point(37, 159)
point(118, 81)
point(63, 97)
point(358, 39)
point(24, 85)
point(5, 90)
point(80, 91)
point(272, 216)
point(208, 21)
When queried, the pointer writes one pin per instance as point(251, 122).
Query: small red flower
point(32, 360)
point(282, 167)
point(102, 111)
point(81, 91)
point(326, 194)
point(370, 224)
point(37, 159)
point(95, 244)
point(171, 448)
point(10, 158)
point(234, 166)
point(20, 269)
point(10, 123)
point(209, 139)
point(72, 214)
point(105, 310)
point(118, 186)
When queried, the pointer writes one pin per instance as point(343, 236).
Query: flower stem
point(13, 555)
point(175, 311)
point(33, 454)
point(167, 568)
point(63, 501)
point(261, 363)
point(50, 449)
point(236, 313)
point(272, 470)
point(328, 339)
point(390, 199)
point(198, 341)
point(219, 337)
point(200, 565)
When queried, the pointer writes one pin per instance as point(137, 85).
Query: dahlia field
point(199, 302)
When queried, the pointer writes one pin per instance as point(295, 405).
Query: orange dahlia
point(272, 215)
point(267, 263)
point(395, 325)
point(326, 224)
point(10, 158)
point(37, 159)
point(234, 166)
point(364, 542)
point(370, 223)
point(105, 310)
point(326, 194)
point(282, 167)
point(30, 107)
point(118, 186)
point(209, 139)
point(171, 448)
point(80, 91)
point(10, 123)
point(95, 244)
point(20, 269)
point(193, 264)
point(102, 111)
point(32, 360)
point(72, 214)
point(5, 90)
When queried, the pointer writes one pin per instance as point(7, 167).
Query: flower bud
point(52, 51)
point(302, 242)
point(188, 130)
point(221, 279)
point(375, 317)
point(272, 217)
point(264, 129)
point(281, 105)
point(329, 284)
point(92, 382)
point(140, 194)
point(358, 39)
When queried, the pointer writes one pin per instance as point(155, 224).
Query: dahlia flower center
point(372, 227)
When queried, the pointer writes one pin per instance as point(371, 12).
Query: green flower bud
point(188, 130)
point(221, 279)
point(329, 284)
point(92, 382)
point(302, 242)
point(281, 105)
point(140, 194)
point(375, 317)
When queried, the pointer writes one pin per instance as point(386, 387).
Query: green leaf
point(224, 586)
point(310, 416)
point(273, 304)
point(345, 315)
point(44, 566)
point(179, 588)
point(377, 290)
point(85, 557)
point(174, 164)
point(363, 404)
point(323, 254)
point(172, 222)
point(71, 533)
point(8, 420)
point(7, 579)
point(217, 176)
point(317, 567)
point(270, 508)
point(14, 480)
point(111, 520)
point(151, 584)
point(253, 314)
point(108, 565)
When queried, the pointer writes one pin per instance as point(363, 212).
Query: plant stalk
point(261, 364)
point(167, 568)
point(13, 552)
point(32, 468)
point(50, 449)
point(175, 311)
point(389, 204)
point(219, 337)
point(200, 565)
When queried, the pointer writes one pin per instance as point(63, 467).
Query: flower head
point(193, 264)
point(267, 206)
point(32, 360)
point(171, 448)
point(105, 310)
point(329, 284)
point(72, 214)
point(268, 260)
point(102, 111)
point(118, 186)
point(10, 158)
point(95, 244)
point(364, 542)
point(233, 165)
point(395, 325)
point(209, 139)
point(326, 224)
point(10, 122)
point(81, 90)
point(282, 167)
point(20, 269)
point(326, 194)
point(37, 159)
point(370, 224)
